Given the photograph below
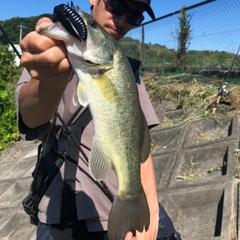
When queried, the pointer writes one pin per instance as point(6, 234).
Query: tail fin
point(128, 214)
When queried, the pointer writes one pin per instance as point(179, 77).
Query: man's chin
point(114, 33)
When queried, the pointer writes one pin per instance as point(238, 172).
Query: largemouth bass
point(122, 140)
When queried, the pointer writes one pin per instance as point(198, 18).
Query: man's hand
point(129, 236)
point(50, 70)
point(45, 58)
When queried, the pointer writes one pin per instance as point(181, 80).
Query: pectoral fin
point(81, 94)
point(98, 163)
point(75, 97)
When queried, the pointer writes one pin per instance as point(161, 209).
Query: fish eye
point(92, 23)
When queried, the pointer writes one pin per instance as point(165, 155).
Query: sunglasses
point(118, 8)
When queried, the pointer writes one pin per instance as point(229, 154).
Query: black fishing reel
point(70, 20)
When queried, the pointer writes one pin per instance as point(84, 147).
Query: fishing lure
point(71, 21)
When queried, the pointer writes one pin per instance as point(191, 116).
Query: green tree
point(12, 29)
point(9, 75)
point(183, 37)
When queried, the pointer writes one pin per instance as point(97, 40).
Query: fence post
point(142, 48)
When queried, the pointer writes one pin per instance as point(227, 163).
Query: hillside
point(155, 55)
point(12, 29)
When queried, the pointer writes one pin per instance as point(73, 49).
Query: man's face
point(117, 26)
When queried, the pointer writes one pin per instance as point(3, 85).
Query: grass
point(196, 95)
point(217, 168)
point(237, 163)
point(191, 174)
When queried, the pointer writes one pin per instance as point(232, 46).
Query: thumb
point(129, 236)
point(141, 236)
point(42, 23)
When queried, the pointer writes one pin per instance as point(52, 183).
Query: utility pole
point(20, 35)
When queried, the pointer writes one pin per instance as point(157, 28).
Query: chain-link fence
point(214, 41)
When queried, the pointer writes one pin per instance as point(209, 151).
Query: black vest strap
point(69, 211)
point(135, 64)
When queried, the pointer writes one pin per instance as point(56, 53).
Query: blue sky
point(28, 8)
point(158, 32)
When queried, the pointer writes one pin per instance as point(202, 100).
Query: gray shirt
point(92, 204)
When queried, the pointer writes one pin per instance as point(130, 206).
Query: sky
point(28, 8)
point(155, 32)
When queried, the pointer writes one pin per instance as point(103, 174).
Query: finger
point(42, 23)
point(142, 236)
point(36, 43)
point(30, 39)
point(47, 58)
point(51, 72)
point(129, 236)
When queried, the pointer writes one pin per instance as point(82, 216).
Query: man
point(46, 86)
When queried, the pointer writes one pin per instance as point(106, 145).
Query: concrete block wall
point(195, 166)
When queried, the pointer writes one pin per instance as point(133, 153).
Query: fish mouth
point(71, 21)
point(88, 62)
point(98, 66)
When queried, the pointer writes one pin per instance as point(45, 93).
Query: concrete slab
point(19, 150)
point(5, 185)
point(201, 165)
point(213, 129)
point(237, 212)
point(163, 164)
point(5, 214)
point(14, 195)
point(202, 213)
point(17, 169)
point(17, 227)
point(167, 138)
point(164, 109)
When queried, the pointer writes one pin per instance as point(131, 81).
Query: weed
point(237, 163)
point(217, 168)
point(195, 94)
point(191, 174)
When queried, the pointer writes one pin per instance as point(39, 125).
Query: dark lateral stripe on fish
point(71, 21)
